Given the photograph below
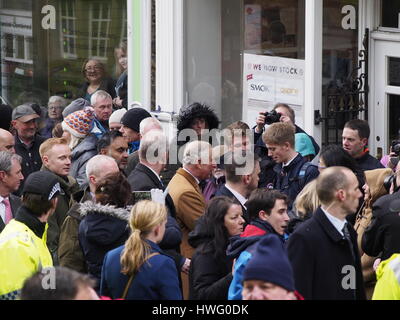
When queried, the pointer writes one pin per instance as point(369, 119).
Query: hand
point(118, 102)
point(260, 122)
point(186, 266)
point(376, 264)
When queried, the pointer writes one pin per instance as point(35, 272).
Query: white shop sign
point(271, 80)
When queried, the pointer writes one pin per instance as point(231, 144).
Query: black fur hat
point(197, 110)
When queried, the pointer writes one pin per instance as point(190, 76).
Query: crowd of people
point(102, 200)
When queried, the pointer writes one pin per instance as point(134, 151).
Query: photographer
point(281, 113)
point(382, 237)
point(392, 159)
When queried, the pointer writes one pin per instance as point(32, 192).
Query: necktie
point(346, 233)
point(8, 210)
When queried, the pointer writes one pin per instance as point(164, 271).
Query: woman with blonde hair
point(139, 270)
point(306, 203)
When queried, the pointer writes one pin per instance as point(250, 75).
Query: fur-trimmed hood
point(197, 110)
point(89, 207)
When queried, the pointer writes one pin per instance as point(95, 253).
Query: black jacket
point(224, 191)
point(383, 234)
point(209, 277)
point(15, 203)
point(368, 162)
point(143, 179)
point(320, 258)
point(288, 180)
point(31, 160)
point(107, 84)
point(102, 229)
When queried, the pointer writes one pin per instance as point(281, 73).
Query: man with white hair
point(69, 251)
point(146, 125)
point(101, 102)
point(186, 193)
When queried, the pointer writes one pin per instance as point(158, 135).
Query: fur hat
point(79, 123)
point(196, 110)
point(270, 263)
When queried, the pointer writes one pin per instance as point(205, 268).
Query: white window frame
point(70, 20)
point(99, 38)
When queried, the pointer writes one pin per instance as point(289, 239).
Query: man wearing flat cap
point(23, 249)
point(27, 141)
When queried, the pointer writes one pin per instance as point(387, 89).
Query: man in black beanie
point(269, 274)
point(131, 127)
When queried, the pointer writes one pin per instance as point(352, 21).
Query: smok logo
point(259, 88)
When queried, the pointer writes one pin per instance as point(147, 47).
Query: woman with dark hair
point(334, 155)
point(104, 224)
point(96, 78)
point(211, 270)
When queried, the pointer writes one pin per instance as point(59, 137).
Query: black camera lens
point(272, 117)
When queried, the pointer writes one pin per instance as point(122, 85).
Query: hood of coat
point(87, 144)
point(375, 179)
point(91, 208)
point(200, 234)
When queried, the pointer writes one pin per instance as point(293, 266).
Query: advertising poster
point(271, 80)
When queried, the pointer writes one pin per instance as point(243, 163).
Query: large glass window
point(390, 14)
point(340, 60)
point(218, 32)
point(38, 60)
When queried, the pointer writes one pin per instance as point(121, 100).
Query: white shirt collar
point(290, 161)
point(157, 175)
point(337, 223)
point(197, 180)
point(238, 196)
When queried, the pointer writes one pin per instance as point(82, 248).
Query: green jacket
point(70, 254)
point(69, 186)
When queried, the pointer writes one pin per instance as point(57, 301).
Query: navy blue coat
point(288, 181)
point(320, 258)
point(102, 229)
point(156, 280)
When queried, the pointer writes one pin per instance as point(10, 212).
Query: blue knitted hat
point(270, 263)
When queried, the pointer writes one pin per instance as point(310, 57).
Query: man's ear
point(45, 160)
point(2, 175)
point(13, 123)
point(341, 195)
point(364, 141)
point(263, 215)
point(103, 151)
point(246, 179)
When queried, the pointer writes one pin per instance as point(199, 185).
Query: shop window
point(390, 14)
point(99, 23)
point(68, 27)
point(38, 61)
point(274, 28)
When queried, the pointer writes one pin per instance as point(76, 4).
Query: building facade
point(331, 60)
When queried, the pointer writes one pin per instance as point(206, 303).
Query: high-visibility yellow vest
point(388, 275)
point(22, 254)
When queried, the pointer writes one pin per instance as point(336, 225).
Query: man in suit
point(185, 191)
point(153, 155)
point(10, 180)
point(242, 171)
point(323, 250)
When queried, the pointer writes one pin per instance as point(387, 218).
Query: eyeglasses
point(95, 68)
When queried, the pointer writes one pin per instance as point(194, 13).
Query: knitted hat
point(76, 105)
point(117, 116)
point(304, 145)
point(79, 123)
point(270, 263)
point(134, 117)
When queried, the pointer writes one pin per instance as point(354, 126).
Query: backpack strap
point(129, 283)
point(302, 173)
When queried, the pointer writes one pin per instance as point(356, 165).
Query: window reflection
point(38, 63)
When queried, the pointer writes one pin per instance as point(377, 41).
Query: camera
point(389, 180)
point(274, 117)
point(395, 147)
